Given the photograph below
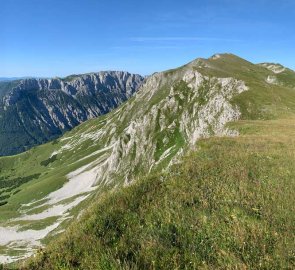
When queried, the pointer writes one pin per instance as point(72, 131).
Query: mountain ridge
point(42, 109)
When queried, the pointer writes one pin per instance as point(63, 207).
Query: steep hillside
point(228, 205)
point(170, 113)
point(33, 111)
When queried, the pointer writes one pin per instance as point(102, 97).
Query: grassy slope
point(50, 178)
point(227, 205)
point(263, 100)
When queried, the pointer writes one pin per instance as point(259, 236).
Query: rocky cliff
point(34, 111)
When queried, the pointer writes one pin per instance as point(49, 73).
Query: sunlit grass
point(227, 205)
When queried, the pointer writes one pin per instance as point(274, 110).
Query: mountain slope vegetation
point(174, 113)
point(226, 206)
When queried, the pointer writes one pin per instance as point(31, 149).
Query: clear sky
point(62, 37)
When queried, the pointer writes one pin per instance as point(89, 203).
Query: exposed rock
point(275, 68)
point(168, 114)
point(42, 109)
point(216, 56)
point(272, 79)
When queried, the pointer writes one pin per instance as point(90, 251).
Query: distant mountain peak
point(41, 109)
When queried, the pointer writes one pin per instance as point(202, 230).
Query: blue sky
point(62, 37)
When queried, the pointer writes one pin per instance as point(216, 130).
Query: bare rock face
point(37, 110)
point(167, 116)
point(275, 68)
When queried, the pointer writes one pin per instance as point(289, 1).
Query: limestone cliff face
point(37, 110)
point(170, 112)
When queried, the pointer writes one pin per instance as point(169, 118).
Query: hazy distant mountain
point(12, 78)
